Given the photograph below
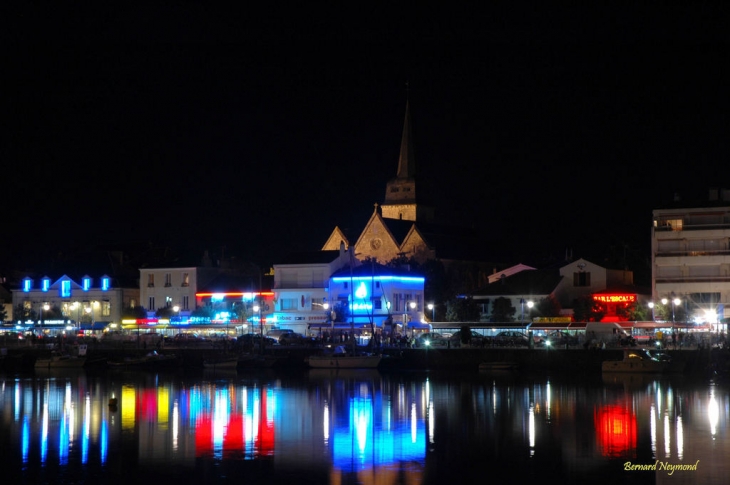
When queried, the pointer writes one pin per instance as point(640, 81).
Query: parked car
point(561, 338)
point(251, 340)
point(292, 338)
point(277, 333)
point(511, 338)
point(476, 339)
point(431, 340)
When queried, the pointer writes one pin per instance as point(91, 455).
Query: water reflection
point(359, 427)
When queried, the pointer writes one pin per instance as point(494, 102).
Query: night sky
point(255, 132)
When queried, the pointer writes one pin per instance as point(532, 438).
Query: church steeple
point(400, 192)
point(406, 161)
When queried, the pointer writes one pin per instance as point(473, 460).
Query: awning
point(93, 326)
point(419, 325)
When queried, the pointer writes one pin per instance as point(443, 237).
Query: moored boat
point(639, 361)
point(339, 360)
point(221, 363)
point(151, 360)
point(59, 360)
point(498, 366)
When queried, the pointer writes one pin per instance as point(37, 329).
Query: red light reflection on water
point(615, 431)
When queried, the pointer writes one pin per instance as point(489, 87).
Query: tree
point(203, 312)
point(165, 312)
point(502, 310)
point(22, 313)
point(586, 309)
point(462, 310)
point(546, 307)
point(633, 311)
point(341, 311)
point(135, 312)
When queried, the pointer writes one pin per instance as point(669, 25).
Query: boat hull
point(498, 366)
point(344, 361)
point(635, 367)
point(60, 363)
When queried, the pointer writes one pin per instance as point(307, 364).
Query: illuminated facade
point(578, 279)
point(690, 255)
point(308, 292)
point(377, 295)
point(301, 288)
point(87, 305)
point(172, 287)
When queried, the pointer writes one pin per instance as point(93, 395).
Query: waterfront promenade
point(539, 360)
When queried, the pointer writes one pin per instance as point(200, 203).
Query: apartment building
point(690, 251)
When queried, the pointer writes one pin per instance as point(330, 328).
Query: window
point(377, 303)
point(581, 279)
point(289, 304)
point(185, 302)
point(27, 284)
point(168, 280)
point(150, 280)
point(168, 301)
point(105, 283)
point(106, 308)
point(65, 288)
point(45, 284)
point(86, 283)
point(185, 280)
point(151, 304)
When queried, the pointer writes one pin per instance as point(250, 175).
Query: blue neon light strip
point(405, 279)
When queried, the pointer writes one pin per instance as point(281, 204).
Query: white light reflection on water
point(380, 426)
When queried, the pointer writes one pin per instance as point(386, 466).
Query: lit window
point(45, 283)
point(105, 283)
point(186, 279)
point(86, 283)
point(106, 308)
point(27, 284)
point(65, 288)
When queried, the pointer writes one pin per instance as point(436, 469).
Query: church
point(405, 225)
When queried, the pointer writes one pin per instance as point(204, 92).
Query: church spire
point(400, 192)
point(406, 160)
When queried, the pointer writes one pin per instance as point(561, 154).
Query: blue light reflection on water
point(350, 427)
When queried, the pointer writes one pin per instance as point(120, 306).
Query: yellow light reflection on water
point(129, 408)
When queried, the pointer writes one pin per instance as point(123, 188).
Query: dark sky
point(260, 131)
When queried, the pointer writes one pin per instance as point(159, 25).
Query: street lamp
point(651, 305)
point(675, 302)
point(432, 307)
point(529, 303)
point(258, 308)
point(46, 307)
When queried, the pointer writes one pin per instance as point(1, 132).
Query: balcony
point(693, 279)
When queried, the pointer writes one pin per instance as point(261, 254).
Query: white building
point(690, 254)
point(173, 287)
point(309, 287)
point(301, 288)
point(91, 304)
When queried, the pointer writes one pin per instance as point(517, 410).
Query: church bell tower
point(400, 192)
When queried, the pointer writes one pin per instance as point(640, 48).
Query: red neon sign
point(617, 298)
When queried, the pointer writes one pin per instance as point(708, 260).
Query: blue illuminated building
point(381, 295)
point(67, 305)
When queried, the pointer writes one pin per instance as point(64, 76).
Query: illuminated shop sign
point(615, 298)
